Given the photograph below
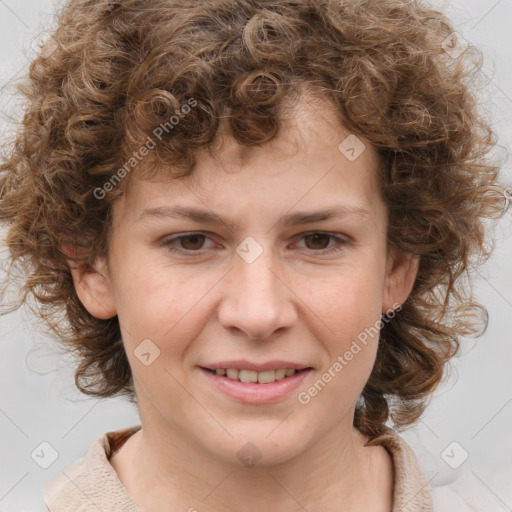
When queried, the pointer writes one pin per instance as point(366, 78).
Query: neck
point(158, 466)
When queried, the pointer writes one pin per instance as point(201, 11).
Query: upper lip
point(257, 367)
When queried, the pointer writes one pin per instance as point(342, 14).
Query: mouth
point(256, 384)
point(256, 377)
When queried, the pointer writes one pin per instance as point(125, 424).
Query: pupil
point(193, 238)
point(316, 236)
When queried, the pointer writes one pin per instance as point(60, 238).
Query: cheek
point(346, 302)
point(351, 353)
point(162, 304)
point(167, 308)
point(348, 314)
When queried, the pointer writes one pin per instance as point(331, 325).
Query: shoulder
point(91, 481)
point(411, 488)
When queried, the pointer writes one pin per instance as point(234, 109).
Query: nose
point(257, 300)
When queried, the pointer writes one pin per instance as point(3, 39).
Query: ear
point(401, 270)
point(92, 284)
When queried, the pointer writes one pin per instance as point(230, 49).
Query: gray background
point(473, 409)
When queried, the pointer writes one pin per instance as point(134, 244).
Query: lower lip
point(254, 393)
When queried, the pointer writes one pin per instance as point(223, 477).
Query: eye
point(188, 242)
point(318, 241)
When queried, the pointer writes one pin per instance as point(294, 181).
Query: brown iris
point(197, 241)
point(318, 238)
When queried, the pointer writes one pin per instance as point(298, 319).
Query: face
point(271, 258)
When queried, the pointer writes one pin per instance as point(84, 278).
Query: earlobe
point(402, 269)
point(92, 285)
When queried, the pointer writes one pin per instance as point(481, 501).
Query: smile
point(256, 387)
point(265, 377)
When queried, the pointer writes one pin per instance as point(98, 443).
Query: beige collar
point(91, 483)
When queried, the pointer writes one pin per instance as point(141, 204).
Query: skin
point(291, 303)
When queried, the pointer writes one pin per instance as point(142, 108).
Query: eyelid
point(340, 236)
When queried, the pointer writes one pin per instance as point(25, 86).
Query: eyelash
point(341, 242)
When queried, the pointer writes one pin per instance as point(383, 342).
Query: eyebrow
point(290, 219)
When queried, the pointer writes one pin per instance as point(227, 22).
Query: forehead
point(312, 150)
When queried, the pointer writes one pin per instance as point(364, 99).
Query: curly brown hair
point(115, 71)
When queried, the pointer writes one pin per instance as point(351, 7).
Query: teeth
point(265, 377)
point(248, 376)
point(282, 373)
point(232, 373)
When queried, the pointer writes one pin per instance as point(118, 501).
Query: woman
point(177, 169)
